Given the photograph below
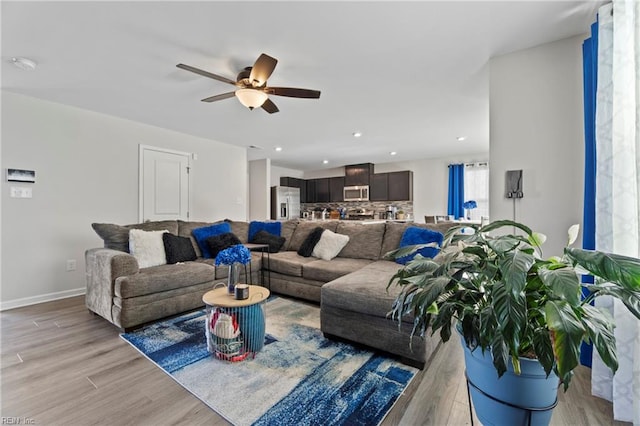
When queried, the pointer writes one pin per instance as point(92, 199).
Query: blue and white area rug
point(299, 377)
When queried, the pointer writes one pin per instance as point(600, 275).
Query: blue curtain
point(590, 78)
point(456, 190)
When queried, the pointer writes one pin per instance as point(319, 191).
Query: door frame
point(141, 149)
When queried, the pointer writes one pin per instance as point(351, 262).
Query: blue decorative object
point(413, 236)
point(234, 254)
point(201, 235)
point(274, 228)
point(469, 205)
point(456, 191)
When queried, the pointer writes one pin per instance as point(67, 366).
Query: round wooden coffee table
point(235, 328)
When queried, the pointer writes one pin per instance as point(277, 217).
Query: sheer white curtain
point(618, 188)
point(476, 187)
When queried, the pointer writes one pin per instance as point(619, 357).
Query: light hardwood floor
point(61, 365)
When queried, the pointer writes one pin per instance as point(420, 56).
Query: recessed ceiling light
point(357, 134)
point(325, 161)
point(24, 63)
point(392, 153)
point(461, 138)
point(278, 148)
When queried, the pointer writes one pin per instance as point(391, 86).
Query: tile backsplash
point(376, 207)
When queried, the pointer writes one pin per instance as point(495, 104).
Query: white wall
point(259, 189)
point(87, 171)
point(278, 172)
point(536, 124)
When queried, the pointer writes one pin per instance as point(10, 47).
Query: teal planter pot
point(525, 399)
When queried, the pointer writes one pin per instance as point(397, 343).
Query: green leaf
point(500, 354)
point(505, 223)
point(514, 267)
point(511, 313)
point(599, 325)
point(563, 283)
point(566, 335)
point(537, 239)
point(543, 349)
point(614, 268)
point(573, 234)
point(631, 299)
point(504, 244)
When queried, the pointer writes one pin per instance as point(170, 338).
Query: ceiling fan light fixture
point(251, 98)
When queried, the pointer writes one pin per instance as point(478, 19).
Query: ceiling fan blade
point(262, 69)
point(206, 73)
point(269, 106)
point(293, 92)
point(219, 97)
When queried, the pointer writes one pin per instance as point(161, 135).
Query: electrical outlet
point(71, 265)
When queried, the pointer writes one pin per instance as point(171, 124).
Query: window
point(476, 187)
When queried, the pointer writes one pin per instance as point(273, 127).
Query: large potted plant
point(522, 315)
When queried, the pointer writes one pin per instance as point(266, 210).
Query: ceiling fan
point(252, 90)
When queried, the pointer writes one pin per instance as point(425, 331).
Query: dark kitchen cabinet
point(379, 187)
point(310, 185)
point(336, 187)
point(400, 186)
point(322, 190)
point(295, 183)
point(357, 174)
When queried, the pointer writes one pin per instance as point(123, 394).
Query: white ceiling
point(411, 76)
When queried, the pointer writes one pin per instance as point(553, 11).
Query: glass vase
point(233, 277)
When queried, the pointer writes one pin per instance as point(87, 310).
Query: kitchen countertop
point(365, 221)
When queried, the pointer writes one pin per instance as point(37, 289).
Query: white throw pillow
point(147, 247)
point(329, 245)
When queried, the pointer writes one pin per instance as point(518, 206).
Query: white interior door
point(164, 184)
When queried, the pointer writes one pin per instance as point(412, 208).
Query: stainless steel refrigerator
point(285, 203)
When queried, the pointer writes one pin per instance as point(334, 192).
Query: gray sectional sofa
point(351, 288)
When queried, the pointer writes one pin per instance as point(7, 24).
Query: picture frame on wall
point(21, 175)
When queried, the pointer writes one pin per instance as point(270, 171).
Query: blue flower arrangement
point(234, 254)
point(471, 204)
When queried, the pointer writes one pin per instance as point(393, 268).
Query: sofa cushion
point(414, 235)
point(116, 237)
point(274, 228)
point(364, 291)
point(217, 243)
point(163, 278)
point(240, 228)
point(147, 247)
point(364, 240)
point(288, 263)
point(325, 270)
point(303, 229)
point(178, 249)
point(330, 245)
point(274, 242)
point(288, 227)
point(394, 231)
point(202, 234)
point(306, 248)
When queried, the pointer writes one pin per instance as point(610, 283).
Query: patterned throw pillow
point(202, 234)
point(178, 249)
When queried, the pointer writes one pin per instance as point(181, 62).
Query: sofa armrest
point(103, 267)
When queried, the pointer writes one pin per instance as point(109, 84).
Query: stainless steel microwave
point(356, 193)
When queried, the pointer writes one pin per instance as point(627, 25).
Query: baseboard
point(33, 300)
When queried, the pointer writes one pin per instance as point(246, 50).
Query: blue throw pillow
point(274, 228)
point(202, 234)
point(414, 235)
